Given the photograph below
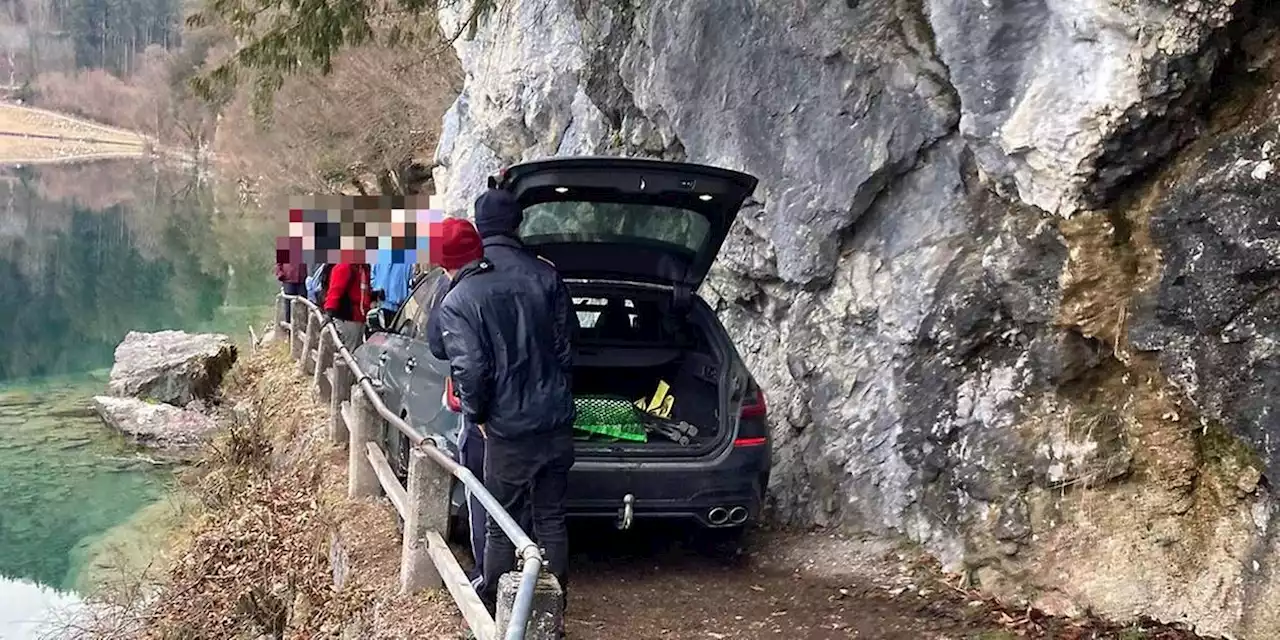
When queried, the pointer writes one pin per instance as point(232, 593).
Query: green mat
point(610, 417)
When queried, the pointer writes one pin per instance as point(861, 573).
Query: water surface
point(88, 253)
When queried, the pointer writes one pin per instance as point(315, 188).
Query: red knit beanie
point(457, 244)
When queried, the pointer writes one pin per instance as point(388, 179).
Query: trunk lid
point(627, 218)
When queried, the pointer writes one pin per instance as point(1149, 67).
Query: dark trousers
point(291, 289)
point(471, 455)
point(530, 478)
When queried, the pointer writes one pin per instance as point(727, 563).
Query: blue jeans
point(471, 456)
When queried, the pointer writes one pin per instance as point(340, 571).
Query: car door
point(425, 392)
point(396, 369)
point(389, 348)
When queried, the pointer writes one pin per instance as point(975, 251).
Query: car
point(633, 239)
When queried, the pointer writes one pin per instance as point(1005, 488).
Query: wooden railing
point(529, 601)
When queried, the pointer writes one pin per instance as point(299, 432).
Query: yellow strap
point(658, 396)
point(664, 411)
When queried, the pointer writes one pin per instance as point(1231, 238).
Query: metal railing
point(356, 407)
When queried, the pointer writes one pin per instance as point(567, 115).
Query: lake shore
point(31, 135)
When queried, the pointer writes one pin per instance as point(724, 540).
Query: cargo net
point(609, 418)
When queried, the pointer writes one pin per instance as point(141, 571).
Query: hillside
point(29, 136)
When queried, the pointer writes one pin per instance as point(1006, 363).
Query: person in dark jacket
point(506, 331)
point(462, 248)
point(292, 279)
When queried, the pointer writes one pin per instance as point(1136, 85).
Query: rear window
point(618, 319)
point(589, 310)
point(608, 222)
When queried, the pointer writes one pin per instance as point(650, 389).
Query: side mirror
point(375, 322)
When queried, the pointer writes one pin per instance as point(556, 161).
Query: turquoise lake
point(87, 253)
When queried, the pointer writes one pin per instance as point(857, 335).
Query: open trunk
point(634, 238)
point(629, 343)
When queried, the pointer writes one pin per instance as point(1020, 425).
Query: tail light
point(451, 399)
point(753, 434)
point(755, 407)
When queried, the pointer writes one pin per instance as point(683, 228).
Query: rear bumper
point(673, 490)
point(666, 490)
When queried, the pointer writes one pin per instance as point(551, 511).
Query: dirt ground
point(801, 586)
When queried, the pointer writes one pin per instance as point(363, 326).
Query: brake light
point(749, 442)
point(451, 399)
point(756, 407)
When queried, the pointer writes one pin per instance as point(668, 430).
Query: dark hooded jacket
point(504, 327)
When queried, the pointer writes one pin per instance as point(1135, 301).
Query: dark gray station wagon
point(671, 423)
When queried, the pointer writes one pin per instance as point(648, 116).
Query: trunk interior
point(628, 343)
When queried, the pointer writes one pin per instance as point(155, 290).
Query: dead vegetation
point(274, 548)
point(369, 126)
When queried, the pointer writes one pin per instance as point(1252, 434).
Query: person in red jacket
point(348, 300)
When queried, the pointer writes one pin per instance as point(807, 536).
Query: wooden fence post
point(324, 360)
point(278, 316)
point(361, 478)
point(306, 366)
point(297, 311)
point(429, 486)
point(340, 382)
point(546, 618)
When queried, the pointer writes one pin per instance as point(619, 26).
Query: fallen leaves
point(259, 559)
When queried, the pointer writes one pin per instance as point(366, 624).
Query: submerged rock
point(155, 424)
point(173, 367)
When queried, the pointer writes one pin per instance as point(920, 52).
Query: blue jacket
point(313, 284)
point(505, 327)
point(393, 279)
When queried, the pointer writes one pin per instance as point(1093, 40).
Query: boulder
point(173, 367)
point(155, 424)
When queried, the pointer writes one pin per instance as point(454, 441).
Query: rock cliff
point(1011, 278)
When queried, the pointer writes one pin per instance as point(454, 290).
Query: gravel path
point(648, 584)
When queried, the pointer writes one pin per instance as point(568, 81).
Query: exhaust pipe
point(718, 516)
point(738, 515)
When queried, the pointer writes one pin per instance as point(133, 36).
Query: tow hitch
point(625, 513)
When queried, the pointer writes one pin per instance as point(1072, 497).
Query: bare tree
point(364, 126)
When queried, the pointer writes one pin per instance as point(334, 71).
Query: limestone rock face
point(173, 367)
point(1010, 279)
point(1066, 100)
point(1213, 312)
